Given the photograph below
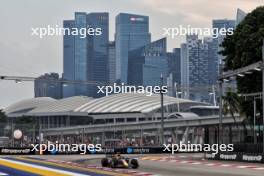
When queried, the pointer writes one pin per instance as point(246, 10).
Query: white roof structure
point(43, 106)
point(113, 104)
point(60, 107)
point(23, 106)
point(130, 103)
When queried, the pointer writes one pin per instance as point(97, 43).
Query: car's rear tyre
point(134, 163)
point(104, 162)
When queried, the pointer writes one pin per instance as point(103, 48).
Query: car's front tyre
point(134, 163)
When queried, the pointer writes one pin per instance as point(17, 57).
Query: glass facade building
point(112, 62)
point(85, 58)
point(45, 87)
point(171, 86)
point(68, 59)
point(195, 74)
point(184, 71)
point(132, 32)
point(212, 61)
point(156, 63)
point(80, 55)
point(97, 51)
point(221, 23)
point(240, 16)
point(174, 65)
point(146, 64)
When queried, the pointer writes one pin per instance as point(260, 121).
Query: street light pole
point(254, 126)
point(162, 111)
point(178, 101)
point(263, 96)
point(214, 95)
point(220, 132)
point(12, 133)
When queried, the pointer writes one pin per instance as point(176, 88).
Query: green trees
point(231, 104)
point(244, 48)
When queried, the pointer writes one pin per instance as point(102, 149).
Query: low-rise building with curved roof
point(116, 108)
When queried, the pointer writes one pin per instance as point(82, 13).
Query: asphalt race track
point(192, 165)
point(186, 167)
point(150, 165)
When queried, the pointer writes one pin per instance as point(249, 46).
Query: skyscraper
point(240, 16)
point(112, 62)
point(48, 85)
point(85, 58)
point(212, 61)
point(146, 64)
point(80, 54)
point(174, 65)
point(156, 63)
point(195, 76)
point(68, 59)
point(225, 23)
point(218, 24)
point(170, 84)
point(174, 71)
point(184, 70)
point(97, 51)
point(132, 32)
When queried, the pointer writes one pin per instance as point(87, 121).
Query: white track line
point(225, 165)
point(195, 163)
point(243, 167)
point(259, 168)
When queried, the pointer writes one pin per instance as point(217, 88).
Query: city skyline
point(137, 60)
point(150, 87)
point(46, 54)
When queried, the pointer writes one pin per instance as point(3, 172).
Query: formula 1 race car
point(118, 161)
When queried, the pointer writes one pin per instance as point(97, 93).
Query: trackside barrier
point(123, 150)
point(236, 156)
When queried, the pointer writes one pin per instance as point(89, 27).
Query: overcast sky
point(25, 55)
